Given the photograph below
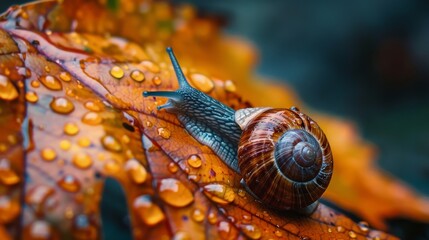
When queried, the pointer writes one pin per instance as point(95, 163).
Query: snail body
point(282, 155)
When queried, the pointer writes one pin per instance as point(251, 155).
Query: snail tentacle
point(206, 119)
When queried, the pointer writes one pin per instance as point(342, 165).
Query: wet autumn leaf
point(72, 115)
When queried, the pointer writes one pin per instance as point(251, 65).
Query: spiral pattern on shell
point(285, 159)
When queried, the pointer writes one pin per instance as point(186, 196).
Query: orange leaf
point(73, 115)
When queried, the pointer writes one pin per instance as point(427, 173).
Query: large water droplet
point(92, 118)
point(219, 193)
point(137, 76)
point(69, 183)
point(51, 82)
point(202, 82)
point(164, 133)
point(48, 154)
point(111, 143)
point(172, 167)
point(157, 80)
point(174, 193)
point(35, 83)
point(71, 129)
point(61, 105)
point(136, 171)
point(251, 231)
point(150, 213)
point(117, 72)
point(194, 161)
point(7, 89)
point(82, 160)
point(31, 97)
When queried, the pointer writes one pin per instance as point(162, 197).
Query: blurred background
point(366, 61)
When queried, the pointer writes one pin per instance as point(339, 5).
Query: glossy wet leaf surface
point(72, 115)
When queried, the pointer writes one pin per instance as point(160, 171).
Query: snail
point(282, 155)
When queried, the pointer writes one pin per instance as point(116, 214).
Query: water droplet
point(148, 124)
point(164, 133)
point(47, 69)
point(174, 193)
point(194, 161)
point(69, 183)
point(293, 108)
point(35, 83)
point(292, 228)
point(136, 171)
point(246, 218)
point(230, 86)
point(241, 193)
point(219, 193)
point(25, 72)
point(181, 236)
point(48, 154)
point(363, 226)
point(212, 218)
point(195, 178)
point(111, 143)
point(65, 145)
point(41, 198)
point(84, 142)
point(352, 234)
point(197, 215)
point(8, 177)
point(278, 233)
point(156, 80)
point(150, 213)
point(82, 160)
point(31, 97)
point(65, 76)
point(92, 118)
point(51, 82)
point(92, 106)
point(224, 229)
point(172, 167)
point(7, 89)
point(111, 167)
point(71, 129)
point(61, 105)
point(137, 76)
point(340, 229)
point(329, 230)
point(117, 72)
point(202, 82)
point(40, 230)
point(150, 66)
point(251, 231)
point(9, 209)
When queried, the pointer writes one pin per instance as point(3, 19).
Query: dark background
point(367, 61)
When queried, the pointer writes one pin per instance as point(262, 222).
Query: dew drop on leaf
point(174, 193)
point(111, 143)
point(31, 97)
point(48, 154)
point(251, 231)
point(61, 105)
point(197, 215)
point(69, 183)
point(151, 66)
point(92, 106)
point(156, 80)
point(65, 144)
point(137, 76)
point(230, 86)
point(202, 82)
point(92, 118)
point(51, 82)
point(194, 161)
point(150, 213)
point(35, 83)
point(7, 89)
point(117, 72)
point(136, 171)
point(82, 160)
point(219, 193)
point(172, 167)
point(164, 132)
point(71, 129)
point(65, 76)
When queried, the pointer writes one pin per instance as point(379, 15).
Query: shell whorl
point(284, 158)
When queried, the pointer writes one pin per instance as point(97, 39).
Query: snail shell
point(284, 157)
